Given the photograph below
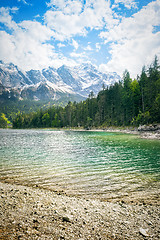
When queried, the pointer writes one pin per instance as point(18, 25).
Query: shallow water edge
point(102, 164)
point(78, 185)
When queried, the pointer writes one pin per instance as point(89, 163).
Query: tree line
point(127, 102)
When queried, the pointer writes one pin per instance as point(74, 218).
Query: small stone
point(35, 227)
point(143, 232)
point(66, 219)
point(35, 221)
point(149, 223)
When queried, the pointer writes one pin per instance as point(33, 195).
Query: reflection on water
point(79, 162)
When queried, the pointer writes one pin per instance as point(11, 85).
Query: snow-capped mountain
point(12, 77)
point(52, 83)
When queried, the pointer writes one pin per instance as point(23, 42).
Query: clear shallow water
point(102, 163)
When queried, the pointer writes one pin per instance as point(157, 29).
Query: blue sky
point(114, 35)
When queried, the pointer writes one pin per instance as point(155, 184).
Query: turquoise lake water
point(79, 162)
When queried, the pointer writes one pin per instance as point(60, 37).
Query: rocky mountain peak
point(79, 80)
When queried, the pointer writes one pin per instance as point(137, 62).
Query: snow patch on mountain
point(51, 82)
point(59, 87)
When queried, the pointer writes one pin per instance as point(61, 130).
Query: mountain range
point(53, 83)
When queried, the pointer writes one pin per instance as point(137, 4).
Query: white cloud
point(134, 42)
point(67, 6)
point(7, 47)
point(36, 30)
point(79, 57)
point(14, 9)
point(6, 19)
point(26, 44)
point(127, 3)
point(68, 18)
point(63, 25)
point(88, 48)
point(29, 41)
point(98, 47)
point(75, 44)
point(59, 4)
point(23, 1)
point(60, 45)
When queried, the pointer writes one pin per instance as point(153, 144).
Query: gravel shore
point(33, 213)
point(155, 135)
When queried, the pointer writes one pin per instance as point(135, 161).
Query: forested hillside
point(128, 102)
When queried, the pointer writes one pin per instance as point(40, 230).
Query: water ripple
point(84, 162)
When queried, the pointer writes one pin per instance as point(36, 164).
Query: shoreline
point(31, 212)
point(34, 213)
point(144, 134)
point(153, 135)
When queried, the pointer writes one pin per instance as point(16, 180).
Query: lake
point(80, 162)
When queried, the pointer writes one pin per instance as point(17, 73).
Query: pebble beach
point(29, 213)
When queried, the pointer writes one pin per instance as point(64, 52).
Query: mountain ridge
point(53, 83)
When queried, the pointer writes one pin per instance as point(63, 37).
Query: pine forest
point(127, 102)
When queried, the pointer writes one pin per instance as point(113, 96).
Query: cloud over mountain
point(115, 35)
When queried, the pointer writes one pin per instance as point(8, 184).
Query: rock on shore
point(144, 131)
point(33, 213)
point(151, 131)
point(149, 128)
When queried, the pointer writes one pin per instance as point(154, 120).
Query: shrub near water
point(4, 122)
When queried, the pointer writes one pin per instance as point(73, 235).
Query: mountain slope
point(12, 77)
point(54, 84)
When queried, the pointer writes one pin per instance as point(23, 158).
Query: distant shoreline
point(155, 135)
point(145, 134)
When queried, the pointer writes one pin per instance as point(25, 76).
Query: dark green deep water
point(80, 162)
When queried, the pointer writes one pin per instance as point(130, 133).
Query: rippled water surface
point(79, 162)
